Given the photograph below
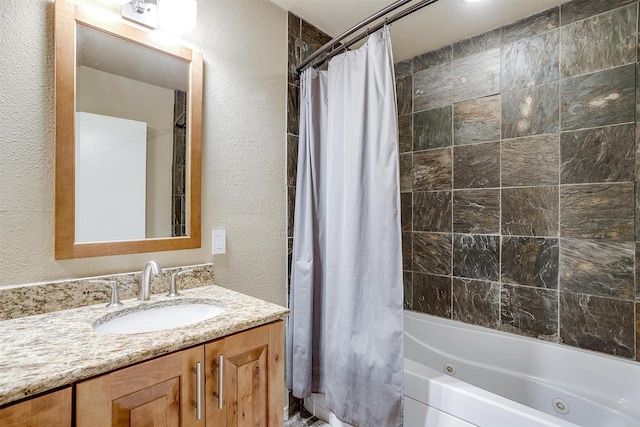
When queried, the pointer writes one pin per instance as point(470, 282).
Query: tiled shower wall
point(518, 175)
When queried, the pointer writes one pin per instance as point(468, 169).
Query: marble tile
point(637, 272)
point(530, 211)
point(476, 256)
point(407, 250)
point(404, 95)
point(476, 211)
point(432, 253)
point(432, 294)
point(598, 267)
point(406, 211)
point(530, 111)
point(476, 76)
point(313, 36)
point(407, 286)
point(601, 42)
point(432, 170)
point(293, 24)
point(533, 25)
point(600, 211)
point(577, 10)
point(291, 203)
point(432, 211)
point(293, 58)
point(305, 419)
point(403, 68)
point(406, 172)
point(529, 311)
point(471, 46)
point(477, 166)
point(293, 109)
point(432, 59)
point(477, 120)
point(598, 99)
point(530, 261)
point(638, 86)
point(432, 129)
point(598, 155)
point(637, 210)
point(476, 302)
point(530, 161)
point(405, 133)
point(432, 88)
point(531, 61)
point(637, 331)
point(596, 323)
point(292, 159)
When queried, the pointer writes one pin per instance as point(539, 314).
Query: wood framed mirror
point(128, 138)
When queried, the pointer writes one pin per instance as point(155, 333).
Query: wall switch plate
point(218, 242)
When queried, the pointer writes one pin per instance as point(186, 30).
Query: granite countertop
point(46, 351)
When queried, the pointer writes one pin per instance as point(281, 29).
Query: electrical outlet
point(218, 242)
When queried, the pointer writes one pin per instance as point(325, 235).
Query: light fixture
point(172, 15)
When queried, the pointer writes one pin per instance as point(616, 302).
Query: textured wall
point(244, 47)
point(518, 163)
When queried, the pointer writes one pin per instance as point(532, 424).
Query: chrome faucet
point(143, 287)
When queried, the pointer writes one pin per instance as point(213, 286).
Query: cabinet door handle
point(220, 380)
point(198, 403)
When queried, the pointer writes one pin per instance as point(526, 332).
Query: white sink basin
point(157, 316)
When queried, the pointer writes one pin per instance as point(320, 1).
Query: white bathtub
point(503, 380)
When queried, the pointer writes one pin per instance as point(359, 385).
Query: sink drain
point(560, 406)
point(449, 369)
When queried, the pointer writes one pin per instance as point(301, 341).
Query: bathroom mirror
point(128, 138)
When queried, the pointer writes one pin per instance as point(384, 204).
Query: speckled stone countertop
point(46, 351)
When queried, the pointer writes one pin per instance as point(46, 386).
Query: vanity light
point(141, 11)
point(172, 15)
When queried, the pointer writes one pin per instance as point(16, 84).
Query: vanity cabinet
point(241, 383)
point(49, 410)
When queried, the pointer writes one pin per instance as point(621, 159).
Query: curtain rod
point(332, 44)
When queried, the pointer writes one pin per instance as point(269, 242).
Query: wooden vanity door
point(160, 392)
point(49, 410)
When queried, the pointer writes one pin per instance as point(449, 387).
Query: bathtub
point(459, 375)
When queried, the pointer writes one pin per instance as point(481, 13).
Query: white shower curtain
point(345, 327)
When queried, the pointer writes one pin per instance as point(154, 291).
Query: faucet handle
point(115, 297)
point(173, 292)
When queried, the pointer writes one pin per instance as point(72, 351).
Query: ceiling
point(435, 26)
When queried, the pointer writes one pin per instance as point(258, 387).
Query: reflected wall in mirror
point(128, 129)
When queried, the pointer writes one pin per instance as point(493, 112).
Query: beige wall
point(244, 47)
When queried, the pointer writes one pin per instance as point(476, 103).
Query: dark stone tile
point(600, 211)
point(477, 120)
point(433, 58)
point(598, 267)
point(432, 253)
point(530, 211)
point(471, 46)
point(637, 331)
point(530, 161)
point(293, 109)
point(292, 159)
point(530, 111)
point(601, 42)
point(432, 211)
point(476, 76)
point(476, 211)
point(403, 68)
point(637, 164)
point(596, 323)
point(406, 172)
point(291, 203)
point(637, 210)
point(293, 24)
point(432, 294)
point(598, 155)
point(530, 261)
point(477, 166)
point(407, 250)
point(404, 94)
point(599, 99)
point(580, 9)
point(313, 36)
point(289, 263)
point(405, 133)
point(476, 302)
point(432, 170)
point(531, 62)
point(432, 129)
point(529, 311)
point(637, 273)
point(638, 85)
point(533, 25)
point(407, 286)
point(293, 51)
point(432, 88)
point(406, 211)
point(476, 256)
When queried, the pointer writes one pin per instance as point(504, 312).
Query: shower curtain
point(345, 328)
